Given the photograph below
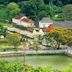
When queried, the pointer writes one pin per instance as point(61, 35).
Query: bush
point(68, 69)
point(20, 67)
point(58, 19)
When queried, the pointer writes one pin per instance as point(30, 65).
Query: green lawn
point(5, 47)
point(6, 24)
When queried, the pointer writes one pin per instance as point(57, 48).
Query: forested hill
point(58, 10)
point(58, 2)
point(55, 2)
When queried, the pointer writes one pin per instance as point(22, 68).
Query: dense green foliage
point(56, 2)
point(68, 12)
point(36, 9)
point(20, 67)
point(3, 15)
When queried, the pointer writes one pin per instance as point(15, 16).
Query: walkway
point(12, 53)
point(69, 51)
point(23, 32)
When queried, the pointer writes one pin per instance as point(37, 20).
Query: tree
point(33, 8)
point(68, 12)
point(14, 39)
point(61, 36)
point(35, 44)
point(13, 9)
point(12, 5)
point(42, 14)
point(57, 37)
point(49, 41)
point(58, 2)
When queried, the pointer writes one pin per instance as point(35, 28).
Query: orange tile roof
point(27, 20)
point(24, 19)
point(48, 29)
point(18, 17)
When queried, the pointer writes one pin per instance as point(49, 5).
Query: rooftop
point(24, 18)
point(27, 20)
point(46, 20)
point(18, 17)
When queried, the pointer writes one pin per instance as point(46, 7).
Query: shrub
point(20, 67)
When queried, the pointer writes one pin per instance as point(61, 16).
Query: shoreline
point(39, 52)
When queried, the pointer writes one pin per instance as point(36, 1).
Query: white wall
point(16, 21)
point(25, 24)
point(44, 25)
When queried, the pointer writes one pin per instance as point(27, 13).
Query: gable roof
point(18, 17)
point(46, 20)
point(24, 18)
point(27, 20)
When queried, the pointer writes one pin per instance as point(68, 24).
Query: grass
point(5, 47)
point(6, 24)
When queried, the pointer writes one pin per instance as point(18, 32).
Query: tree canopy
point(37, 9)
point(61, 36)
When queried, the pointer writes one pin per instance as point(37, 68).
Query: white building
point(45, 22)
point(23, 21)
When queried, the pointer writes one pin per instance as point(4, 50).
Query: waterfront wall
point(40, 52)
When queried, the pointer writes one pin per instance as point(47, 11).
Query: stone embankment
point(39, 52)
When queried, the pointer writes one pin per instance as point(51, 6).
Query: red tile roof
point(18, 17)
point(27, 20)
point(49, 28)
point(24, 19)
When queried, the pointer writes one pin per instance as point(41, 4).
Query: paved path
point(69, 51)
point(11, 53)
point(23, 32)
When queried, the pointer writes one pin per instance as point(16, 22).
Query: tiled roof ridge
point(27, 20)
point(24, 18)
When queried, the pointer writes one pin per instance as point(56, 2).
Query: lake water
point(55, 61)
